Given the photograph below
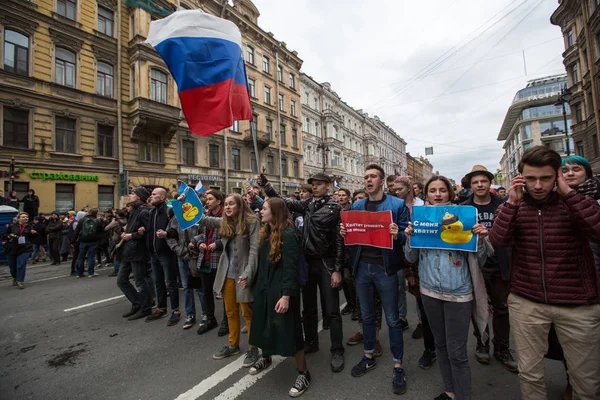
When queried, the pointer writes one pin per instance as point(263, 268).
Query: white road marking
point(94, 303)
point(48, 279)
point(240, 386)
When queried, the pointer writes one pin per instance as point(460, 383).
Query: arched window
point(104, 79)
point(65, 64)
point(16, 52)
point(250, 55)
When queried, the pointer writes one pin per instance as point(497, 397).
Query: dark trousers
point(102, 250)
point(349, 288)
point(428, 339)
point(319, 277)
point(498, 293)
point(450, 326)
point(75, 257)
point(143, 298)
point(164, 269)
point(208, 279)
point(54, 246)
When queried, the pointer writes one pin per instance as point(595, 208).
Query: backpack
point(89, 228)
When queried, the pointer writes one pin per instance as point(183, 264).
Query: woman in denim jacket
point(452, 290)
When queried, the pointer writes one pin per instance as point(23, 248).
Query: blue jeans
point(89, 249)
point(401, 294)
point(188, 293)
point(371, 277)
point(17, 265)
point(164, 270)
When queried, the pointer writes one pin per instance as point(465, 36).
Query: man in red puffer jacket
point(553, 279)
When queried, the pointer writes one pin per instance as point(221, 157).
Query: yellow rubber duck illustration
point(189, 212)
point(452, 230)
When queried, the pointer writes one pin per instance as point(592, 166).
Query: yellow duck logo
point(452, 230)
point(189, 212)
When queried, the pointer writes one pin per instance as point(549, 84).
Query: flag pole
point(255, 142)
point(226, 162)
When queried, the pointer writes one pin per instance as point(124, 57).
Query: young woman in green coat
point(276, 318)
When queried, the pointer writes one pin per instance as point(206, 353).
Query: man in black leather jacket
point(324, 250)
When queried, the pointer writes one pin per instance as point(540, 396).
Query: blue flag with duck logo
point(189, 210)
point(444, 227)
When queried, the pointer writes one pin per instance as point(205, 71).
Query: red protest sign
point(368, 228)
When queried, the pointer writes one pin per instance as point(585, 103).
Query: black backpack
point(89, 228)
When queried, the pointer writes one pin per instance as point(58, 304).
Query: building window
point(188, 152)
point(526, 132)
point(213, 155)
point(284, 167)
point(65, 67)
point(252, 88)
point(270, 165)
point(158, 86)
point(106, 197)
point(65, 197)
point(280, 73)
point(269, 127)
point(595, 146)
point(307, 125)
point(266, 65)
point(16, 52)
point(307, 98)
point(580, 149)
point(292, 81)
point(294, 138)
point(293, 107)
point(578, 113)
point(280, 101)
point(309, 153)
point(570, 38)
point(235, 159)
point(236, 126)
point(267, 95)
point(575, 73)
point(296, 167)
point(150, 148)
point(106, 140)
point(64, 135)
point(316, 104)
point(337, 159)
point(253, 164)
point(250, 55)
point(282, 134)
point(66, 8)
point(105, 21)
point(16, 128)
point(104, 80)
point(253, 123)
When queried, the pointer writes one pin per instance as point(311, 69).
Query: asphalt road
point(61, 338)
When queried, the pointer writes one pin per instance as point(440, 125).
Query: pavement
point(64, 338)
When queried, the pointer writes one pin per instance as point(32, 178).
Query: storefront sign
point(6, 174)
point(62, 177)
point(291, 184)
point(542, 96)
point(212, 178)
point(368, 228)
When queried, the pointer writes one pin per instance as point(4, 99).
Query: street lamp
point(565, 98)
point(324, 148)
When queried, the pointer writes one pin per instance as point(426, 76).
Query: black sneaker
point(189, 322)
point(404, 324)
point(302, 383)
point(427, 359)
point(224, 328)
point(399, 381)
point(418, 332)
point(365, 365)
point(354, 316)
point(139, 314)
point(311, 347)
point(226, 351)
point(132, 311)
point(208, 325)
point(337, 362)
point(326, 323)
point(252, 356)
point(174, 318)
point(506, 358)
point(347, 310)
point(260, 365)
point(443, 396)
point(482, 354)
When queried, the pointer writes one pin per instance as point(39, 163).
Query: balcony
point(262, 139)
point(152, 116)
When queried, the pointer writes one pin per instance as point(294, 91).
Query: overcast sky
point(381, 56)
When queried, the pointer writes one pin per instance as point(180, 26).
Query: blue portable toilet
point(7, 213)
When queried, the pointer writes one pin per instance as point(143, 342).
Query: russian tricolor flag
point(204, 55)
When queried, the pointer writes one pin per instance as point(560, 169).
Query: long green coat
point(274, 333)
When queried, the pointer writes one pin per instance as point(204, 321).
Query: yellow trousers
point(232, 309)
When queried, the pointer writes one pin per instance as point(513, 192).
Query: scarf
point(589, 188)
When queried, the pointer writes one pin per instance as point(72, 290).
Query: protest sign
point(444, 227)
point(189, 211)
point(368, 228)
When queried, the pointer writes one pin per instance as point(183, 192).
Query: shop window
point(21, 187)
point(64, 135)
point(104, 80)
point(16, 52)
point(65, 67)
point(106, 141)
point(213, 155)
point(15, 128)
point(150, 148)
point(106, 197)
point(188, 152)
point(65, 197)
point(105, 21)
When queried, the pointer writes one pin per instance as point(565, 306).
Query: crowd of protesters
point(536, 271)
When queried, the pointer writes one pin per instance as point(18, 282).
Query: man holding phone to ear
point(552, 277)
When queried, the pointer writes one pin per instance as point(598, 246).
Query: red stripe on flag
point(212, 108)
